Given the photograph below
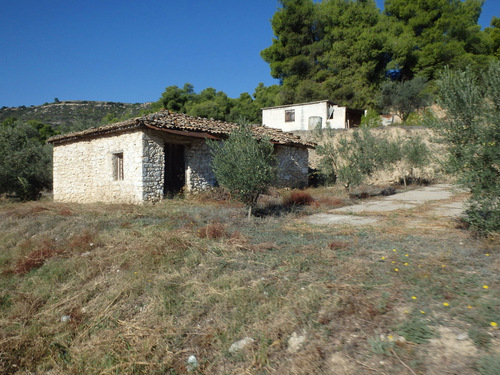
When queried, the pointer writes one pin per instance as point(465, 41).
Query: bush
point(242, 164)
point(25, 164)
point(352, 160)
point(471, 132)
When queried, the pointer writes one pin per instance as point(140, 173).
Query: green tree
point(471, 132)
point(25, 163)
point(209, 103)
point(354, 60)
point(494, 33)
point(244, 107)
point(404, 97)
point(45, 131)
point(431, 34)
point(333, 50)
point(296, 41)
point(243, 165)
point(175, 98)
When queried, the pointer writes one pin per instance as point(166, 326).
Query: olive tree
point(471, 132)
point(243, 165)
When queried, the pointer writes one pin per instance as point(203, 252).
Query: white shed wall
point(83, 170)
point(275, 117)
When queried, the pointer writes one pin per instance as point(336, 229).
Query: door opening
point(175, 175)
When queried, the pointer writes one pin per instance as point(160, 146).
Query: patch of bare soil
point(452, 352)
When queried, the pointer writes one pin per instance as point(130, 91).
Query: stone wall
point(84, 170)
point(291, 166)
point(153, 170)
point(199, 173)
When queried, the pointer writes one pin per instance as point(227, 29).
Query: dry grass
point(146, 287)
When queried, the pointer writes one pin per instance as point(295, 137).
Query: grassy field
point(118, 289)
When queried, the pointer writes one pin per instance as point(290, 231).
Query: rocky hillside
point(75, 114)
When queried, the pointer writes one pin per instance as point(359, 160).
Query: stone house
point(144, 159)
point(307, 116)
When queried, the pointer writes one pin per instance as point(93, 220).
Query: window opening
point(290, 115)
point(118, 166)
point(330, 112)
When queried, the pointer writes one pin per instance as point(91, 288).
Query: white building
point(308, 116)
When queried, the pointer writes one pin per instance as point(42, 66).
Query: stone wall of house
point(153, 167)
point(291, 166)
point(199, 173)
point(85, 171)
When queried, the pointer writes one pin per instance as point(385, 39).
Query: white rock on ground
point(192, 363)
point(238, 345)
point(295, 342)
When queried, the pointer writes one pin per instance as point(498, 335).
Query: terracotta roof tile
point(182, 122)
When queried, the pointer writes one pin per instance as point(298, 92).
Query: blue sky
point(129, 51)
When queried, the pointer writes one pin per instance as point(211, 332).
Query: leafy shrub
point(471, 132)
point(371, 119)
point(352, 160)
point(242, 164)
point(25, 164)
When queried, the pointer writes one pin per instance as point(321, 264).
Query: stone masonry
point(129, 167)
point(83, 171)
point(291, 166)
point(199, 173)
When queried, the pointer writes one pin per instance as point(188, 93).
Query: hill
point(74, 114)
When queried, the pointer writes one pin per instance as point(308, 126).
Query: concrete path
point(441, 200)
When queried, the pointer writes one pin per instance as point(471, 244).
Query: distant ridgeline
point(71, 115)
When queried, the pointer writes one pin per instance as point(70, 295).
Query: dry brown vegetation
point(117, 289)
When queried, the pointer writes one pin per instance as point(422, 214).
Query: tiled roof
point(182, 123)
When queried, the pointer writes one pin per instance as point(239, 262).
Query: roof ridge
point(165, 119)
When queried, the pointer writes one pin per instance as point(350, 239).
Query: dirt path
point(433, 205)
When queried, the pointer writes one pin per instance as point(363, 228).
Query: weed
point(480, 337)
point(35, 259)
point(415, 329)
point(381, 347)
point(489, 365)
point(298, 198)
point(337, 245)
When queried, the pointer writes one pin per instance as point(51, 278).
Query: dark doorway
point(175, 174)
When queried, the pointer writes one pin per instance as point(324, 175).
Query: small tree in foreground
point(242, 165)
point(471, 132)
